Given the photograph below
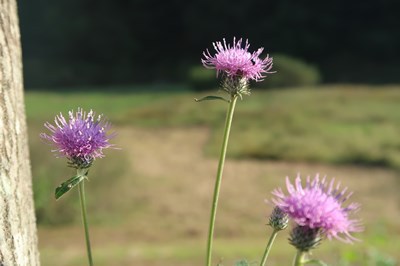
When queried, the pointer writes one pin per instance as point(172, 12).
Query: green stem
point(299, 259)
point(218, 180)
point(84, 219)
point(268, 248)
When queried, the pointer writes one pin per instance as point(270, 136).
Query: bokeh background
point(332, 108)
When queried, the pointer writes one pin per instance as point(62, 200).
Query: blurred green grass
point(184, 252)
point(328, 124)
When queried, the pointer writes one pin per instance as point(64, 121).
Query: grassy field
point(149, 202)
point(333, 124)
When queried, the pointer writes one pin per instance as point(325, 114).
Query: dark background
point(103, 42)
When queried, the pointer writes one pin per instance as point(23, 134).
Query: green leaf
point(242, 263)
point(68, 185)
point(316, 262)
point(212, 98)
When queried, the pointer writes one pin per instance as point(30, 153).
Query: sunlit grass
point(191, 251)
point(157, 220)
point(335, 124)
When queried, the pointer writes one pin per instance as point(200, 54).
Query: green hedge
point(290, 72)
point(200, 78)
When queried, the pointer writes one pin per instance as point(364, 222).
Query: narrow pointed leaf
point(316, 262)
point(68, 185)
point(211, 98)
point(242, 263)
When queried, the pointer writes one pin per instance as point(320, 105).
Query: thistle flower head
point(81, 139)
point(319, 205)
point(236, 61)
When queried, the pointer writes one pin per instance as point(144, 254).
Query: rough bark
point(18, 240)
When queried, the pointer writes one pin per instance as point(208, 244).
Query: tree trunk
point(18, 240)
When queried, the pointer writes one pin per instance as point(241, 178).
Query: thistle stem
point(268, 248)
point(218, 180)
point(299, 260)
point(84, 220)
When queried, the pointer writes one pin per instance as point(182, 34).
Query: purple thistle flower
point(81, 139)
point(237, 61)
point(319, 205)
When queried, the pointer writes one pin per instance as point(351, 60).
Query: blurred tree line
point(78, 42)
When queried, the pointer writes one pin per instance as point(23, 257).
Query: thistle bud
point(278, 220)
point(305, 238)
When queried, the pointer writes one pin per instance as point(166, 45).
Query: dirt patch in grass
point(182, 178)
point(166, 196)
